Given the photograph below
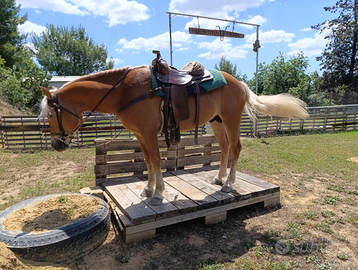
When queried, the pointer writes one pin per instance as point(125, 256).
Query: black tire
point(61, 245)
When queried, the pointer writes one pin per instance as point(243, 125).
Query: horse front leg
point(150, 144)
point(221, 136)
point(159, 182)
point(149, 189)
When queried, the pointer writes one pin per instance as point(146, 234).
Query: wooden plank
point(122, 167)
point(123, 219)
point(201, 213)
point(215, 218)
point(164, 210)
point(197, 150)
point(242, 189)
point(172, 195)
point(256, 181)
point(206, 187)
point(192, 160)
point(202, 140)
point(129, 202)
point(128, 237)
point(199, 197)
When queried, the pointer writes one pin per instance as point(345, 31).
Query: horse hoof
point(217, 181)
point(226, 189)
point(147, 193)
point(155, 201)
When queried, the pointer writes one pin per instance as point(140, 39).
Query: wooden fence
point(321, 120)
point(31, 132)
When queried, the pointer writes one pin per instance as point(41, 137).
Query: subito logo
point(282, 247)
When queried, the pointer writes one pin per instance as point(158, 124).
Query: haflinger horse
point(64, 108)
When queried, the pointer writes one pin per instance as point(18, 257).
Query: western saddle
point(175, 85)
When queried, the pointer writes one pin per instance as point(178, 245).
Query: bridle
point(57, 108)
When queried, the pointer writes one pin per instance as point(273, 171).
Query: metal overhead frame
point(256, 44)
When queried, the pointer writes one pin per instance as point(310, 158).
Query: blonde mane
point(93, 76)
point(45, 109)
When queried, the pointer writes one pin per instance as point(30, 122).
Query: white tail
point(281, 105)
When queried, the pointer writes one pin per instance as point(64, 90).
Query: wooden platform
point(188, 195)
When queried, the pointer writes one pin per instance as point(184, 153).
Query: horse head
point(64, 122)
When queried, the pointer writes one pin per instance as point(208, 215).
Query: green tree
point(288, 76)
point(66, 52)
point(12, 49)
point(228, 67)
point(282, 75)
point(339, 59)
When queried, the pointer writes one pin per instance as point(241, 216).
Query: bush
point(21, 84)
point(12, 90)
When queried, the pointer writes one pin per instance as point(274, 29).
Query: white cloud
point(257, 20)
point(272, 36)
point(306, 29)
point(310, 46)
point(218, 48)
point(159, 42)
point(116, 60)
point(54, 5)
point(212, 8)
point(117, 11)
point(29, 27)
point(183, 49)
point(225, 9)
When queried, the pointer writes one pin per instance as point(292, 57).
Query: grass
point(300, 160)
point(25, 162)
point(309, 154)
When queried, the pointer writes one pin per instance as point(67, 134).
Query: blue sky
point(132, 29)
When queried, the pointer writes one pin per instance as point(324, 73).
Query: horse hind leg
point(221, 136)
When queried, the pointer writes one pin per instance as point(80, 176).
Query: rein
point(58, 108)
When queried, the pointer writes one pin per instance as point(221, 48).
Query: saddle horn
point(160, 63)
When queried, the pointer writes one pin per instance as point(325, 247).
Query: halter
point(57, 108)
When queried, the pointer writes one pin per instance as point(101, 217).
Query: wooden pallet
point(188, 195)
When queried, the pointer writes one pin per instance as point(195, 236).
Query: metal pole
point(210, 18)
point(170, 35)
point(257, 59)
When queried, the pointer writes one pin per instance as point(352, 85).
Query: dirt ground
point(191, 245)
point(51, 214)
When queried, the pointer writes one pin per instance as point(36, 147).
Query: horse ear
point(46, 92)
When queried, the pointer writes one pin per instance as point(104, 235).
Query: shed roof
point(64, 78)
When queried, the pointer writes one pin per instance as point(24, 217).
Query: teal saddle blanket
point(217, 81)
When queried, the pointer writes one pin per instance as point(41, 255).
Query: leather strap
point(197, 89)
point(166, 114)
point(150, 94)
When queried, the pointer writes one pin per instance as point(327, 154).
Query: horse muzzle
point(59, 144)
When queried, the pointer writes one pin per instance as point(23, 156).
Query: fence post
point(2, 134)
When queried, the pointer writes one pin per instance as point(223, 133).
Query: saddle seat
point(191, 72)
point(174, 84)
